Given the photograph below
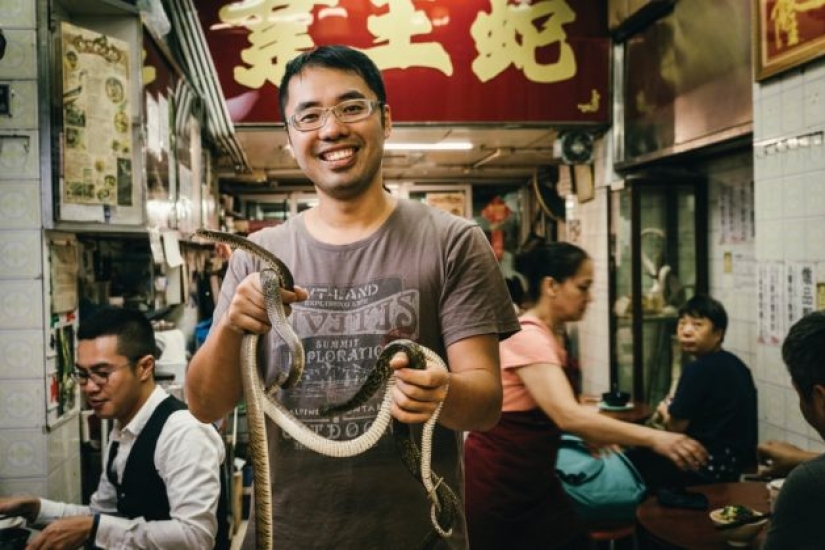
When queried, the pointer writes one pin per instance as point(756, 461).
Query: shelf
point(98, 7)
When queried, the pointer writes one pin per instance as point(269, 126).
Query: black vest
point(142, 492)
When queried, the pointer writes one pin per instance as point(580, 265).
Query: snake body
point(261, 402)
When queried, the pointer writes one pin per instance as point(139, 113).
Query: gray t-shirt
point(424, 275)
point(797, 518)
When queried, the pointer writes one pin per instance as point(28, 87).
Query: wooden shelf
point(99, 7)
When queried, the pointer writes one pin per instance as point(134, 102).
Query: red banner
point(475, 61)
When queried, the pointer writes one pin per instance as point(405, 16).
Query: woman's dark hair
point(135, 336)
point(804, 352)
point(703, 306)
point(338, 57)
point(559, 260)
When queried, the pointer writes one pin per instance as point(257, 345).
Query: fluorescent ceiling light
point(444, 146)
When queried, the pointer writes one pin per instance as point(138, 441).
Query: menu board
point(97, 137)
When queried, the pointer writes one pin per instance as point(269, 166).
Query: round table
point(638, 413)
point(692, 529)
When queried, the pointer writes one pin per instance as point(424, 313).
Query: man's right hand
point(685, 452)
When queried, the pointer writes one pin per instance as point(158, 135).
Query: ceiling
point(500, 155)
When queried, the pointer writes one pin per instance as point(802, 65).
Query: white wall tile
point(20, 255)
point(64, 482)
point(793, 115)
point(773, 238)
point(18, 14)
point(814, 191)
point(771, 114)
point(64, 442)
point(21, 304)
point(20, 61)
point(814, 102)
point(22, 453)
point(22, 104)
point(20, 205)
point(19, 155)
point(23, 486)
point(21, 354)
point(21, 403)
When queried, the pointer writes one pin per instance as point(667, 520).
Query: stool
point(612, 532)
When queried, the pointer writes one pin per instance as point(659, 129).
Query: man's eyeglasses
point(348, 111)
point(99, 375)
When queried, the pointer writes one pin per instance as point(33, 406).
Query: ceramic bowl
point(736, 536)
point(616, 398)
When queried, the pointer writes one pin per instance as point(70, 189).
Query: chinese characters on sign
point(788, 33)
point(497, 60)
point(785, 294)
point(97, 140)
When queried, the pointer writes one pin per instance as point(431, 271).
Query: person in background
point(161, 484)
point(372, 268)
point(513, 497)
point(797, 515)
point(778, 458)
point(715, 402)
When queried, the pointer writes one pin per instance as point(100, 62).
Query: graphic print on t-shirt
point(349, 327)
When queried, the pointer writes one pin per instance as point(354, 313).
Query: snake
point(261, 402)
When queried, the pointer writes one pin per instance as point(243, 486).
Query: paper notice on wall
point(735, 203)
point(771, 298)
point(171, 248)
point(63, 269)
point(744, 272)
point(801, 291)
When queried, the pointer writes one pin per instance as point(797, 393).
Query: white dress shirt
point(187, 457)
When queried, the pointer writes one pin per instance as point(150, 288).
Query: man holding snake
point(370, 268)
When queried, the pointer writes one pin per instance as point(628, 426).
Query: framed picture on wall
point(786, 35)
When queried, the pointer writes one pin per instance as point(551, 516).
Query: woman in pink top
point(514, 499)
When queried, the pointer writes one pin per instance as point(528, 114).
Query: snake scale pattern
point(261, 402)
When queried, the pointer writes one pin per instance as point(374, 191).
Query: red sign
point(474, 61)
point(787, 34)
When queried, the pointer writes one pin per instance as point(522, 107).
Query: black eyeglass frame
point(100, 378)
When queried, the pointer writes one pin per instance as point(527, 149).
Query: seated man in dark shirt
point(797, 515)
point(714, 403)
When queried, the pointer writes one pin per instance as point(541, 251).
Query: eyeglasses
point(98, 375)
point(347, 112)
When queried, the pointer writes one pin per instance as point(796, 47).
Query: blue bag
point(604, 489)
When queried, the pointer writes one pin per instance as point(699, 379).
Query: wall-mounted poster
point(97, 137)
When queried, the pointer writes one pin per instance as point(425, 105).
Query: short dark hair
point(559, 260)
point(135, 336)
point(804, 352)
point(703, 306)
point(338, 57)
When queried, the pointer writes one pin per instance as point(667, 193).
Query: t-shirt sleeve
point(688, 393)
point(475, 299)
point(530, 346)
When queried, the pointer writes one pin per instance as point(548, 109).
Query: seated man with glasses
point(162, 484)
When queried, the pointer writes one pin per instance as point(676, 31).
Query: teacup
point(774, 487)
